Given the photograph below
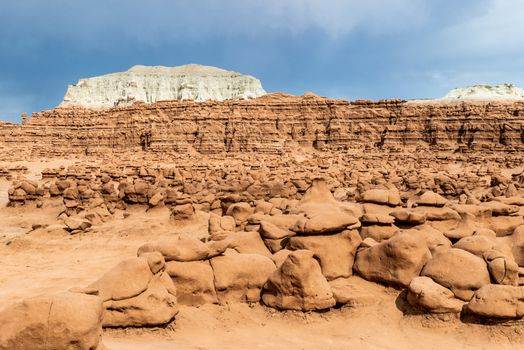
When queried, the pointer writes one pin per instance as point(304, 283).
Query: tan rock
point(335, 253)
point(298, 284)
point(497, 301)
point(67, 321)
point(458, 270)
point(423, 292)
point(395, 261)
point(193, 282)
point(240, 277)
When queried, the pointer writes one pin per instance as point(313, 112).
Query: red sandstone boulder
point(335, 253)
point(67, 321)
point(395, 261)
point(298, 284)
point(458, 270)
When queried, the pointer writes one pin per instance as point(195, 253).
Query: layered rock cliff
point(152, 84)
point(275, 124)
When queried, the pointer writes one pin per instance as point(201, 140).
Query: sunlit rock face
point(486, 92)
point(156, 83)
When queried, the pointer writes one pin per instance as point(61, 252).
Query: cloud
point(90, 24)
point(496, 30)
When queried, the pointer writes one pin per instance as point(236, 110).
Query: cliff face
point(273, 124)
point(152, 84)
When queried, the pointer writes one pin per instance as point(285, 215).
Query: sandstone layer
point(275, 124)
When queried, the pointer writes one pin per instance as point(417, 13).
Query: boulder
point(156, 306)
point(432, 199)
point(322, 213)
point(408, 217)
point(377, 219)
point(67, 321)
point(458, 270)
point(500, 209)
point(240, 212)
point(356, 291)
point(298, 284)
point(194, 282)
point(185, 248)
point(136, 293)
point(379, 232)
point(136, 273)
point(502, 267)
point(248, 243)
point(183, 211)
point(286, 222)
point(395, 261)
point(240, 277)
point(465, 227)
point(424, 293)
point(335, 253)
point(74, 223)
point(272, 231)
point(378, 196)
point(497, 301)
point(437, 214)
point(516, 242)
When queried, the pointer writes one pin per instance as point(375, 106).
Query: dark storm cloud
point(351, 48)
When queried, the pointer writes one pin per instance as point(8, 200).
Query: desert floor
point(36, 261)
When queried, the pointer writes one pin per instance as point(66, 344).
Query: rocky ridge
point(272, 124)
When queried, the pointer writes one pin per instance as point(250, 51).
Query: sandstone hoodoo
point(156, 83)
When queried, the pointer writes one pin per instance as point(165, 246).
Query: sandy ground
point(36, 262)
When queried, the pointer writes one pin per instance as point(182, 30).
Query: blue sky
point(339, 48)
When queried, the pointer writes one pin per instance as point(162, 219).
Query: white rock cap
point(486, 92)
point(156, 83)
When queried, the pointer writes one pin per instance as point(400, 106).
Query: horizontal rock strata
point(272, 124)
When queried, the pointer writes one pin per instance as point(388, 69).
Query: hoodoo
point(156, 83)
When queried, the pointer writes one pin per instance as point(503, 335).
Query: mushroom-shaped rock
point(497, 301)
point(322, 213)
point(336, 253)
point(378, 196)
point(423, 292)
point(68, 321)
point(298, 284)
point(458, 270)
point(395, 261)
point(240, 277)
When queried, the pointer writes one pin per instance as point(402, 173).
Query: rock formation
point(272, 124)
point(152, 84)
point(486, 92)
